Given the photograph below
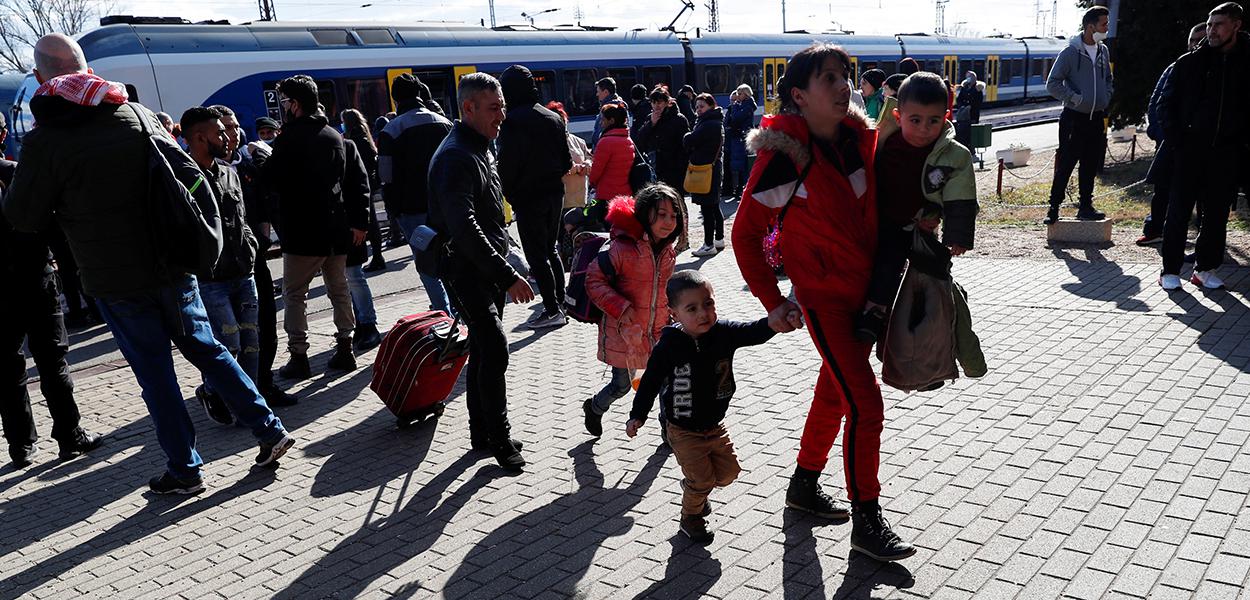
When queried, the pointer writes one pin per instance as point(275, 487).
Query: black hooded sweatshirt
point(533, 144)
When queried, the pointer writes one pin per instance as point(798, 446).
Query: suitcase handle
point(452, 337)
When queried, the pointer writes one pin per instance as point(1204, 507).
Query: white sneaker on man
point(1170, 282)
point(719, 244)
point(704, 251)
point(1207, 279)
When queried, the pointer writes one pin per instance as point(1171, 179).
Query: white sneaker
point(1207, 279)
point(704, 251)
point(1170, 282)
point(720, 244)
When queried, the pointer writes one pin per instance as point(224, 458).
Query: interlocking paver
point(1105, 455)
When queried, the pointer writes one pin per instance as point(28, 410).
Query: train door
point(391, 74)
point(854, 74)
point(774, 69)
point(992, 66)
point(950, 68)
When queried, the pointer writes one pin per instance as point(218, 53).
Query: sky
point(963, 17)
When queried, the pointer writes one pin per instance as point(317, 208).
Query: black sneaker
point(1052, 217)
point(378, 264)
point(869, 325)
point(547, 320)
point(871, 535)
point(22, 456)
point(367, 338)
point(482, 445)
point(214, 405)
point(695, 527)
point(168, 484)
point(509, 457)
point(343, 359)
point(805, 494)
point(270, 453)
point(594, 421)
point(297, 368)
point(82, 442)
point(1087, 213)
point(276, 397)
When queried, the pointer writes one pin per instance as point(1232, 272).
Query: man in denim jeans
point(405, 148)
point(86, 166)
point(229, 294)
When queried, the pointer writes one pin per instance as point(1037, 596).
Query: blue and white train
point(171, 66)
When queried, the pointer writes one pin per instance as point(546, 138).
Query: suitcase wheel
point(420, 416)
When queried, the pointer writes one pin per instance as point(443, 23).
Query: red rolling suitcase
point(418, 364)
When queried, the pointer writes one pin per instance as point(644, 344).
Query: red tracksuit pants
point(847, 390)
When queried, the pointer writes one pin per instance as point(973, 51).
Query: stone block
point(1079, 232)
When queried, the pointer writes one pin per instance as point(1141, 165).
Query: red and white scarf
point(86, 89)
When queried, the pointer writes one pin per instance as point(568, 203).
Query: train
point(170, 65)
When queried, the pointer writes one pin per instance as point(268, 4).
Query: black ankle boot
point(1052, 216)
point(805, 494)
point(367, 337)
point(296, 368)
point(343, 359)
point(871, 534)
point(1086, 212)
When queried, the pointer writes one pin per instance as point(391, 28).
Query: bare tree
point(23, 22)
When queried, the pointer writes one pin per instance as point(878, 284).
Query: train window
point(964, 67)
point(1004, 72)
point(369, 96)
point(715, 79)
point(888, 66)
point(1036, 71)
point(376, 37)
point(440, 90)
point(579, 92)
point(546, 82)
point(769, 79)
point(625, 78)
point(867, 65)
point(333, 37)
point(978, 67)
point(327, 98)
point(933, 66)
point(1017, 68)
point(653, 76)
point(748, 74)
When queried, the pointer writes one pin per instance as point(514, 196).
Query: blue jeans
point(362, 297)
point(233, 311)
point(143, 325)
point(433, 285)
point(621, 383)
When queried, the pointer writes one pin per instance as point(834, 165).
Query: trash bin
point(981, 134)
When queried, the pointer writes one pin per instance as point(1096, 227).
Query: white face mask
point(1099, 36)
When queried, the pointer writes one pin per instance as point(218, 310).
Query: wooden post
point(1132, 151)
point(1000, 177)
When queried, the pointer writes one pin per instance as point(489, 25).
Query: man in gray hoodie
point(1081, 79)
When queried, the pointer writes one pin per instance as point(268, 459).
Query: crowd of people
point(855, 177)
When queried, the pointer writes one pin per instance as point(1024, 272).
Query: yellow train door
point(774, 69)
point(950, 68)
point(992, 65)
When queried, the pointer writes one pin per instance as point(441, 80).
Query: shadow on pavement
point(801, 571)
point(553, 546)
point(1104, 281)
point(864, 574)
point(392, 540)
point(690, 572)
point(348, 469)
point(1220, 334)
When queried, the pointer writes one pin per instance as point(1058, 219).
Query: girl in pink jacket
point(635, 306)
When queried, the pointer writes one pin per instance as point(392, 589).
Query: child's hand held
point(631, 428)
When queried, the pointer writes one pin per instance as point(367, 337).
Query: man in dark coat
point(466, 206)
point(30, 311)
point(315, 225)
point(1208, 118)
point(533, 158)
point(99, 145)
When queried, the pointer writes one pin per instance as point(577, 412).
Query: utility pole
point(713, 16)
point(1054, 18)
point(492, 13)
point(267, 13)
point(783, 16)
point(939, 24)
point(1039, 19)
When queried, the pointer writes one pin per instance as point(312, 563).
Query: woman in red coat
point(815, 160)
point(614, 155)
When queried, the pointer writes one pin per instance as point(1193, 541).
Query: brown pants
point(707, 460)
point(297, 272)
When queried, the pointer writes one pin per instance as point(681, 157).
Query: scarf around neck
point(85, 89)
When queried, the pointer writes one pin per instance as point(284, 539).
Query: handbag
point(698, 179)
point(772, 239)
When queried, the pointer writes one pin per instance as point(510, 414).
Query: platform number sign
point(272, 107)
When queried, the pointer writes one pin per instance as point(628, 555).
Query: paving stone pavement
point(1104, 456)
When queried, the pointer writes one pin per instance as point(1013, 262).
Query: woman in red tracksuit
point(817, 157)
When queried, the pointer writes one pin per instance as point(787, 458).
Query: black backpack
point(639, 172)
point(186, 224)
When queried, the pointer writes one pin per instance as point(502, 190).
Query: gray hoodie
point(1079, 83)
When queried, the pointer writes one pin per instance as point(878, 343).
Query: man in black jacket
point(405, 148)
point(315, 225)
point(533, 158)
point(466, 206)
point(229, 293)
point(31, 312)
point(1207, 116)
